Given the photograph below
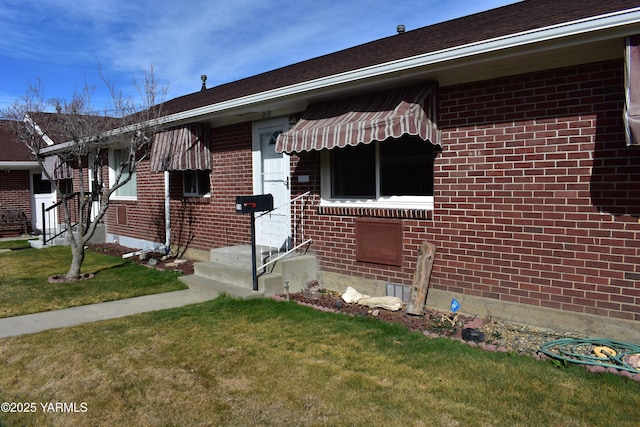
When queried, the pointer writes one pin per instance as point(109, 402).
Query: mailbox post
point(251, 205)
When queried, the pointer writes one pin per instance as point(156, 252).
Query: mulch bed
point(155, 260)
point(61, 278)
point(443, 324)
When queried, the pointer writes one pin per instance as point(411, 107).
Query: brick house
point(506, 150)
point(21, 186)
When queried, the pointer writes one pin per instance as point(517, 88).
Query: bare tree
point(78, 136)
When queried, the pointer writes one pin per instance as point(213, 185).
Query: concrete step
point(232, 266)
point(214, 288)
point(238, 276)
point(297, 271)
point(58, 241)
point(98, 237)
point(266, 286)
point(241, 255)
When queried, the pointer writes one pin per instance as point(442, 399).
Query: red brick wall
point(15, 191)
point(537, 198)
point(196, 222)
point(205, 223)
point(144, 217)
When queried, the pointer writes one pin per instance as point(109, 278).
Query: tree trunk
point(77, 257)
point(420, 285)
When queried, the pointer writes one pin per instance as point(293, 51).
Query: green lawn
point(267, 363)
point(24, 287)
point(14, 244)
point(262, 362)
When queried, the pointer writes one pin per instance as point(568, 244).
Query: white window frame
point(112, 177)
point(196, 194)
point(385, 202)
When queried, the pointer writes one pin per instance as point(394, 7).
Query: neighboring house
point(21, 185)
point(499, 137)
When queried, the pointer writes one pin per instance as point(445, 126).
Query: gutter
point(29, 121)
point(8, 165)
point(589, 26)
point(62, 147)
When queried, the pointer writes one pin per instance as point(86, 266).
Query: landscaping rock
point(476, 323)
point(471, 334)
point(312, 290)
point(388, 303)
point(351, 296)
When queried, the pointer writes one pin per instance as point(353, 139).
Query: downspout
point(167, 225)
point(167, 214)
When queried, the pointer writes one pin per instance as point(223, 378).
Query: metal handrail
point(284, 254)
point(289, 203)
point(46, 214)
point(298, 224)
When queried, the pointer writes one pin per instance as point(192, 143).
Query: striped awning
point(56, 168)
point(366, 118)
point(632, 90)
point(181, 148)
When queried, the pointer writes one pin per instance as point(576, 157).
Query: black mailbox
point(255, 203)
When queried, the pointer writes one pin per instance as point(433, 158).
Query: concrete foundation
point(194, 254)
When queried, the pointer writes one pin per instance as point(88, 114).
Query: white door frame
point(36, 205)
point(259, 128)
point(95, 204)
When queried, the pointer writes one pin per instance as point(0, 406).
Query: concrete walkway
point(31, 323)
point(38, 322)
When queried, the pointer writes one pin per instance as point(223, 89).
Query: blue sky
point(65, 43)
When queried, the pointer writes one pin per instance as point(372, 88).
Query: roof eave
point(555, 32)
point(18, 165)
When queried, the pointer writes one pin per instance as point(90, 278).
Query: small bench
point(13, 222)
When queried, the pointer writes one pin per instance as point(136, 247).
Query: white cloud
point(225, 39)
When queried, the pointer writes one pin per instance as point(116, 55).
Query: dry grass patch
point(262, 362)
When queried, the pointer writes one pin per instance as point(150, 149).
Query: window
point(40, 185)
point(129, 190)
point(393, 173)
point(196, 183)
point(406, 168)
point(66, 186)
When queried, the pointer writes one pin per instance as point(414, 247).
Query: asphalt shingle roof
point(11, 148)
point(511, 19)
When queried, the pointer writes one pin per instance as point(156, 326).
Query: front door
point(271, 175)
point(95, 201)
point(43, 194)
